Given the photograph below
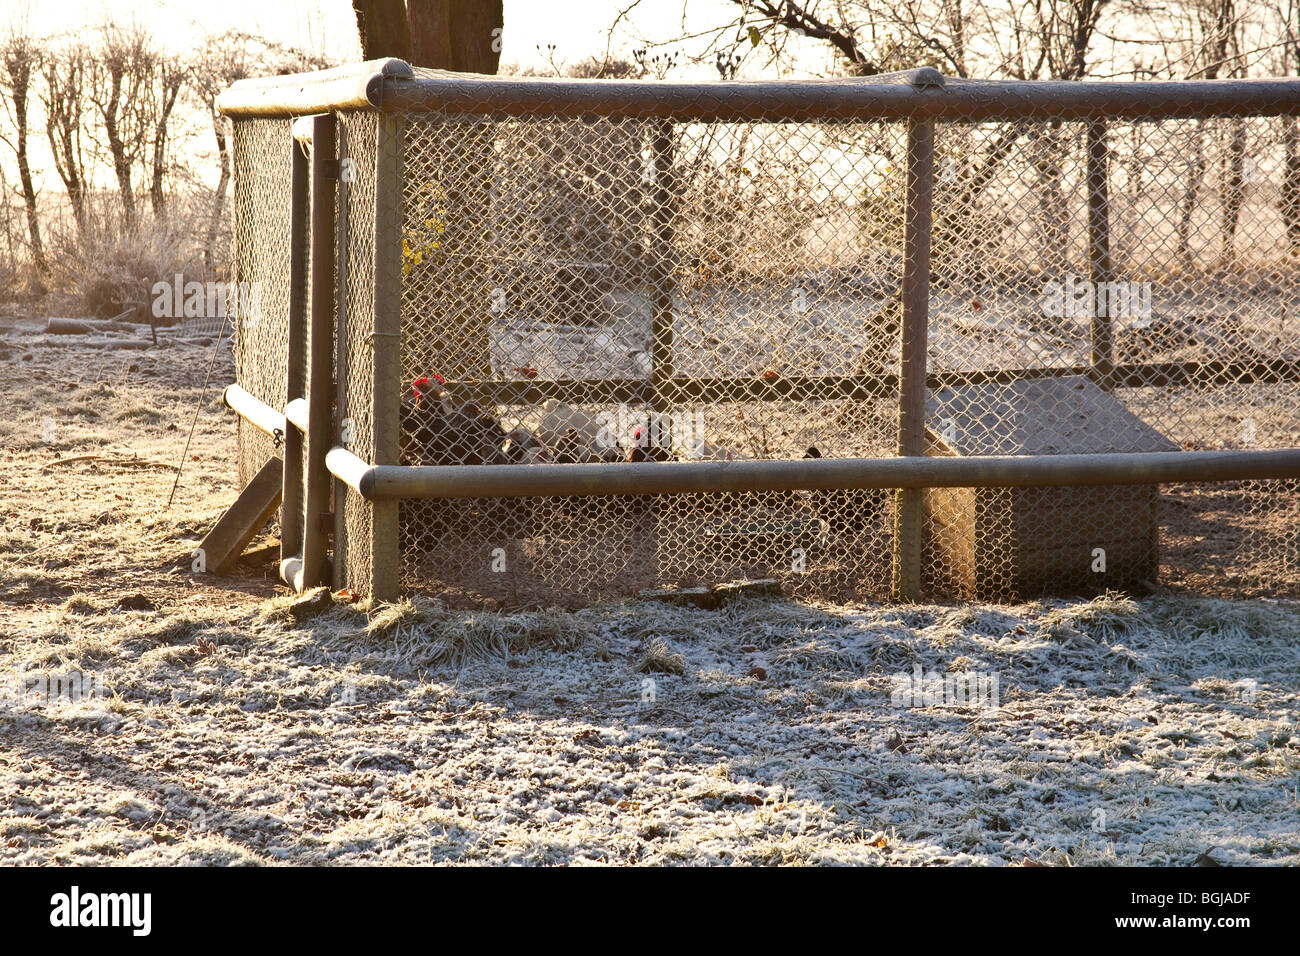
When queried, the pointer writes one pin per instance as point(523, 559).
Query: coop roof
point(1046, 416)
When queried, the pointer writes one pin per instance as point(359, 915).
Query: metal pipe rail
point(393, 86)
point(1001, 471)
point(646, 478)
point(262, 416)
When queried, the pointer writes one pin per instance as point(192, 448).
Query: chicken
point(522, 447)
point(569, 449)
point(437, 431)
point(847, 511)
point(644, 448)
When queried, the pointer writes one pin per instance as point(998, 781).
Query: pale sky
point(577, 27)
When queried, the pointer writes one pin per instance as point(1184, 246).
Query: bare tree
point(64, 100)
point(120, 75)
point(167, 78)
point(21, 61)
point(1289, 196)
point(222, 60)
point(1212, 32)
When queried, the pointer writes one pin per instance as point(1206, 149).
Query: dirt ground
point(214, 725)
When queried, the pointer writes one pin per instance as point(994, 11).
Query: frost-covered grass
point(232, 731)
point(1125, 732)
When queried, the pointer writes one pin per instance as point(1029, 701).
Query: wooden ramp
point(242, 520)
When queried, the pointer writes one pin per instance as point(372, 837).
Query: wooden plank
point(243, 519)
point(343, 333)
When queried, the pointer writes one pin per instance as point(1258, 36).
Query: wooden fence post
point(1099, 263)
point(320, 348)
point(291, 496)
point(917, 226)
point(387, 368)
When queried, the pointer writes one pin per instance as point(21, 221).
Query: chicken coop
point(526, 340)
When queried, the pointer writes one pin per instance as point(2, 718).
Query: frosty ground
point(228, 729)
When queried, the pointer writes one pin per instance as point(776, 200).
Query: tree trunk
point(1187, 206)
point(476, 27)
point(170, 83)
point(431, 43)
point(461, 35)
point(1234, 189)
point(1289, 201)
point(219, 197)
point(121, 164)
point(64, 108)
point(382, 29)
point(19, 67)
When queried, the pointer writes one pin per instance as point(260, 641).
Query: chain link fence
point(262, 252)
point(536, 274)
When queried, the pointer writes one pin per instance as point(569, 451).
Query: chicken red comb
point(423, 384)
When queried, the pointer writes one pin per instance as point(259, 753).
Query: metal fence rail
point(767, 295)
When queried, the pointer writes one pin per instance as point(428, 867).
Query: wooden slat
point(243, 519)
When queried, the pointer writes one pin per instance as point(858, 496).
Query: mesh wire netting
point(615, 289)
point(355, 340)
point(605, 289)
point(262, 221)
point(1167, 323)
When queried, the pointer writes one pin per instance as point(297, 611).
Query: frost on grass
point(766, 732)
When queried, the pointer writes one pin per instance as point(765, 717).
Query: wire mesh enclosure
point(911, 336)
